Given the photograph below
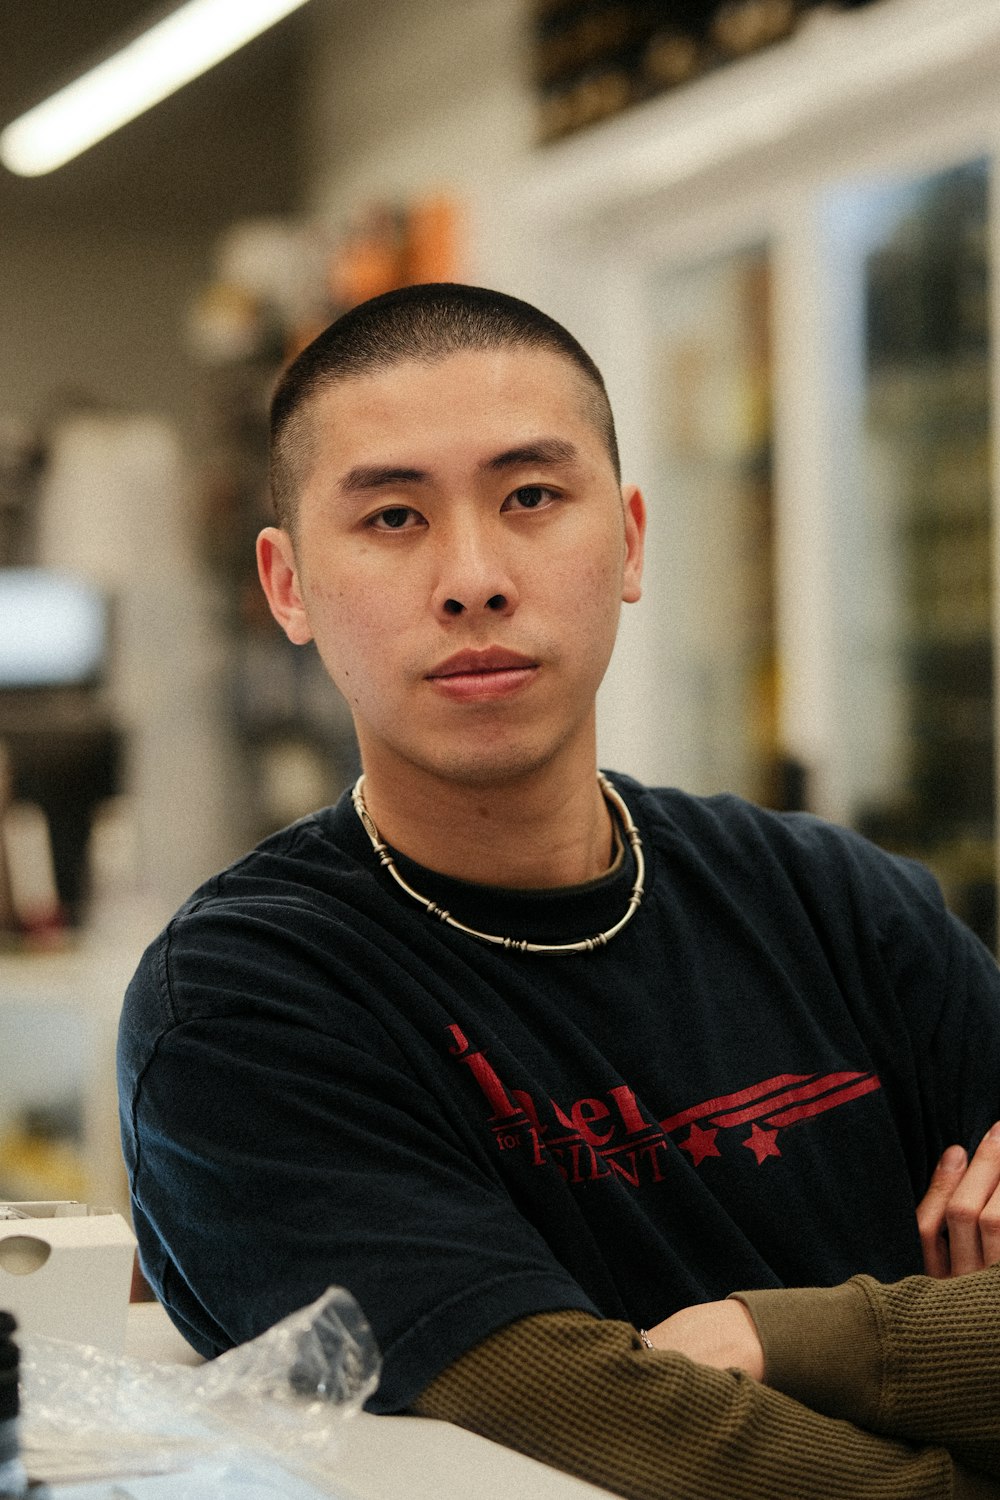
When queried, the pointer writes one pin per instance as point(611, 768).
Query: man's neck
point(540, 831)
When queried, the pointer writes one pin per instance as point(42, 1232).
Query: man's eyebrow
point(383, 476)
point(379, 476)
point(542, 451)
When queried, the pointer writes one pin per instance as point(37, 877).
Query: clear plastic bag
point(263, 1409)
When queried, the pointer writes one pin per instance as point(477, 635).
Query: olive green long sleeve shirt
point(873, 1393)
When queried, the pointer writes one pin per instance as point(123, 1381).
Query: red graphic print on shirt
point(594, 1139)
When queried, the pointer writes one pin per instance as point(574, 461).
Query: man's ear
point(279, 577)
point(635, 535)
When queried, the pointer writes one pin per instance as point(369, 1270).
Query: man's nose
point(473, 574)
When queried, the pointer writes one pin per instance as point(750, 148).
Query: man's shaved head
point(427, 323)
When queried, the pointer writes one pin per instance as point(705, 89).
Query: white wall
point(410, 95)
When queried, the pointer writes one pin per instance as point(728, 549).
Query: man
point(531, 1060)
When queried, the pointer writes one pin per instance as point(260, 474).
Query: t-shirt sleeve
point(270, 1158)
point(965, 1045)
point(945, 984)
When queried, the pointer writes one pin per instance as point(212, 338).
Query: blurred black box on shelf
point(594, 58)
point(67, 758)
point(60, 749)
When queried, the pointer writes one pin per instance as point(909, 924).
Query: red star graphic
point(762, 1143)
point(701, 1143)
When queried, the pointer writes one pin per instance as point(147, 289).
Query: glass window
point(712, 502)
point(909, 267)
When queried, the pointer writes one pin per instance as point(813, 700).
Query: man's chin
point(493, 771)
point(487, 767)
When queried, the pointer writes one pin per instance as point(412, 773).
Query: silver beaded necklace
point(517, 945)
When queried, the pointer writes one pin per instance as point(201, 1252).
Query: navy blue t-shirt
point(748, 1087)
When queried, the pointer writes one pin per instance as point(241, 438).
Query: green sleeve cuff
point(821, 1346)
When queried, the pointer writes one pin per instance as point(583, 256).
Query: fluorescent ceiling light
point(184, 44)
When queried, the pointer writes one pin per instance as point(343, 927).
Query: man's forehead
point(542, 368)
point(525, 386)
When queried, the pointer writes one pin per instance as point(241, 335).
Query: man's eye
point(395, 518)
point(528, 497)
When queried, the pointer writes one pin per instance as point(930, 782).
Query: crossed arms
point(874, 1393)
point(959, 1222)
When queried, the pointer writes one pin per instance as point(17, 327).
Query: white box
point(66, 1271)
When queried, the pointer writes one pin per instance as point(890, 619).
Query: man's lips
point(489, 673)
point(491, 659)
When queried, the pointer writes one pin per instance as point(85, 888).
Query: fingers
point(932, 1210)
point(959, 1216)
point(973, 1211)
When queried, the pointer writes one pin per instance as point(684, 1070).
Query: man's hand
point(959, 1216)
point(721, 1334)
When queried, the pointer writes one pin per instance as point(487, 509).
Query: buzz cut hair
point(426, 322)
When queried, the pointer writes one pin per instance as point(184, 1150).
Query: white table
point(394, 1458)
